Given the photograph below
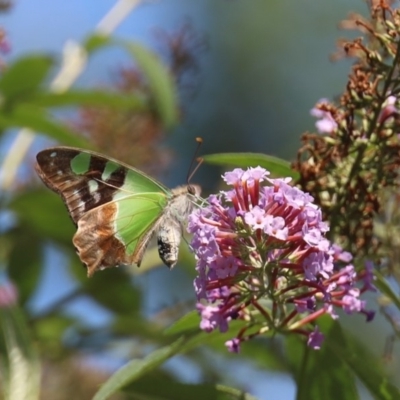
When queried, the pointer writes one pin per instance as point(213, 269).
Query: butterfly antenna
point(199, 160)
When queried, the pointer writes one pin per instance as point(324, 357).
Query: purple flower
point(8, 294)
point(389, 109)
point(256, 218)
point(351, 302)
point(315, 339)
point(211, 318)
point(233, 345)
point(263, 258)
point(326, 122)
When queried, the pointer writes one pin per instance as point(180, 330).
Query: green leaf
point(95, 42)
point(25, 262)
point(363, 363)
point(158, 77)
point(21, 369)
point(37, 119)
point(382, 284)
point(81, 98)
point(135, 369)
point(111, 288)
point(330, 373)
point(278, 167)
point(24, 76)
point(322, 374)
point(43, 215)
point(160, 82)
point(50, 331)
point(160, 387)
point(187, 323)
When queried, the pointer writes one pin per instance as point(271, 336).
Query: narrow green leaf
point(331, 372)
point(157, 75)
point(384, 287)
point(277, 166)
point(37, 119)
point(322, 374)
point(156, 386)
point(25, 261)
point(21, 372)
point(81, 98)
point(24, 76)
point(363, 363)
point(159, 79)
point(95, 42)
point(187, 323)
point(136, 369)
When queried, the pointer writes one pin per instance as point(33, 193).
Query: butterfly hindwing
point(117, 233)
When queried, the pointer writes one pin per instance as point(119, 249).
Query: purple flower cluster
point(262, 257)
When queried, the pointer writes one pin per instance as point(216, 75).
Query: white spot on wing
point(93, 186)
point(96, 197)
point(53, 154)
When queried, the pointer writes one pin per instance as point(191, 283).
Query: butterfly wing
point(116, 207)
point(117, 233)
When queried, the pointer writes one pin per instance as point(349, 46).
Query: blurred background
point(247, 73)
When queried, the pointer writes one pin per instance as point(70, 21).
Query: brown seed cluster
point(348, 168)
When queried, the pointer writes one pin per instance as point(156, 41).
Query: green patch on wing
point(137, 182)
point(80, 163)
point(136, 215)
point(109, 169)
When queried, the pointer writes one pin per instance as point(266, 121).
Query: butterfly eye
point(194, 190)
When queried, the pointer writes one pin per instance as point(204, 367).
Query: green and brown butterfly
point(117, 209)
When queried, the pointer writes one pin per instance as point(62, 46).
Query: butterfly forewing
point(86, 180)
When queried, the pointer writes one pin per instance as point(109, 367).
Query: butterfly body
point(116, 208)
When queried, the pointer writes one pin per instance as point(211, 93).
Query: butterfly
point(116, 208)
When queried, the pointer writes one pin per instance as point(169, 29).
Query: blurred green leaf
point(49, 332)
point(159, 79)
point(330, 372)
point(139, 327)
point(382, 284)
point(363, 363)
point(158, 387)
point(44, 214)
point(79, 98)
point(21, 370)
point(320, 374)
point(25, 261)
point(37, 119)
point(157, 75)
point(95, 42)
point(136, 369)
point(279, 168)
point(187, 323)
point(24, 77)
point(111, 288)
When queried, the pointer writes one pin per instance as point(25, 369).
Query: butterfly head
point(194, 190)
